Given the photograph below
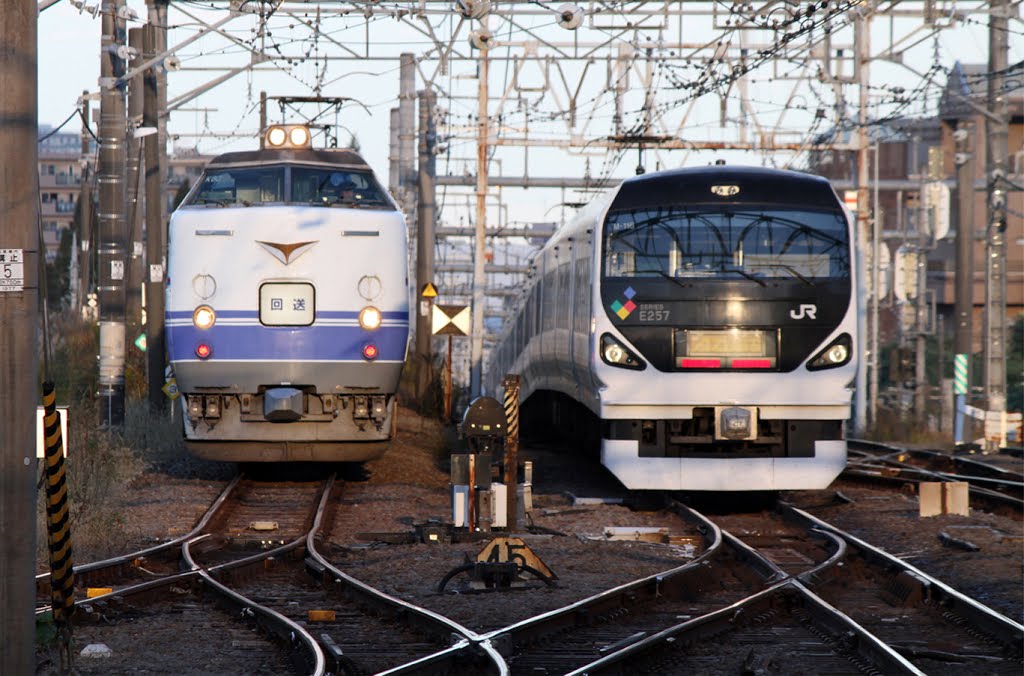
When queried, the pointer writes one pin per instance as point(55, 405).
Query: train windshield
point(751, 243)
point(240, 185)
point(326, 186)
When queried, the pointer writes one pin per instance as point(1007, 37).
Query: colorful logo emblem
point(623, 310)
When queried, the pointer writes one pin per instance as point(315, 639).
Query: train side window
point(565, 293)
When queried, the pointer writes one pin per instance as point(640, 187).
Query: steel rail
point(902, 475)
point(271, 621)
point(1006, 630)
point(828, 618)
point(841, 626)
point(303, 645)
point(1007, 487)
point(649, 586)
point(87, 570)
point(467, 639)
point(982, 469)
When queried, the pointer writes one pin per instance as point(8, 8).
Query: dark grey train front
point(707, 317)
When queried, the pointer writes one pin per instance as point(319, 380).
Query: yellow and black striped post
point(62, 578)
point(511, 385)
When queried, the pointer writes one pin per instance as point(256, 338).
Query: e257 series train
point(707, 318)
point(287, 305)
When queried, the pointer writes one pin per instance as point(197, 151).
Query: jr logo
point(807, 311)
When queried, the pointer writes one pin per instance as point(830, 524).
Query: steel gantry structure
point(576, 88)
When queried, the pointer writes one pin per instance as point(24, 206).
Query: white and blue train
point(287, 305)
point(704, 321)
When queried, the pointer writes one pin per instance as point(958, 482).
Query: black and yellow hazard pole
point(62, 578)
point(511, 385)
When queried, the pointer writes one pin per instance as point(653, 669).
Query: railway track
point(859, 610)
point(996, 488)
point(767, 592)
point(222, 560)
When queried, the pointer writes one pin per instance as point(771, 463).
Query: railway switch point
point(501, 565)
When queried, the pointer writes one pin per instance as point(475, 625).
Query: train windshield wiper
point(219, 201)
point(663, 274)
point(746, 274)
point(355, 203)
point(788, 268)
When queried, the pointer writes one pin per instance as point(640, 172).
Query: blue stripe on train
point(330, 343)
point(320, 314)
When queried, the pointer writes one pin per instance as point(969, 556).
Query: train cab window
point(330, 186)
point(240, 186)
point(745, 242)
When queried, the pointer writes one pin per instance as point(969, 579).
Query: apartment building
point(61, 170)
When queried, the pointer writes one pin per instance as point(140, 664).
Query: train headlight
point(299, 136)
point(837, 353)
point(204, 317)
point(615, 353)
point(288, 136)
point(370, 318)
point(276, 136)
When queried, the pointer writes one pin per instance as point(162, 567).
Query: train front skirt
point(622, 458)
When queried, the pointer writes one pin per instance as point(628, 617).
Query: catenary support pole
point(85, 247)
point(426, 220)
point(407, 133)
point(112, 223)
point(479, 279)
point(862, 40)
point(393, 152)
point(876, 293)
point(963, 307)
point(134, 195)
point(19, 340)
point(925, 232)
point(997, 137)
point(154, 274)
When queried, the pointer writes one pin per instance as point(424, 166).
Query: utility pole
point(112, 231)
point(154, 234)
point(157, 10)
point(19, 341)
point(876, 293)
point(133, 210)
point(85, 206)
point(426, 220)
point(263, 116)
point(393, 154)
point(925, 231)
point(862, 40)
point(479, 280)
point(407, 133)
point(963, 307)
point(997, 137)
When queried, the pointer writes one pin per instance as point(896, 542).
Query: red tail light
point(751, 363)
point(203, 351)
point(700, 363)
point(369, 351)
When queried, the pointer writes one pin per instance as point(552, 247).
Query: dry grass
point(101, 465)
point(893, 426)
point(422, 444)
